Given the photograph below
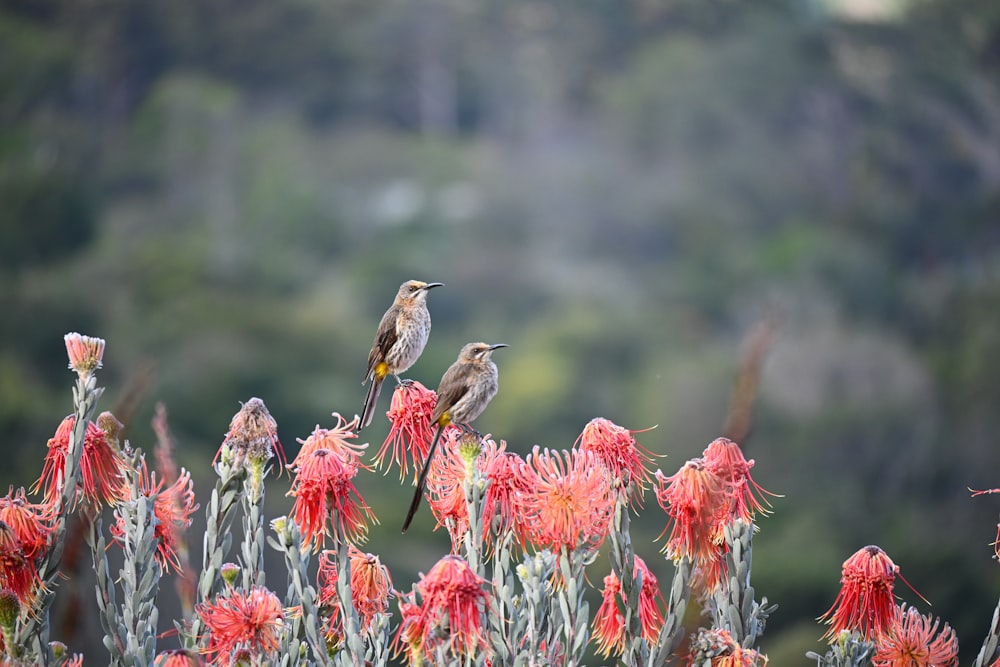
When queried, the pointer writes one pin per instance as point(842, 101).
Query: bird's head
point(479, 351)
point(415, 291)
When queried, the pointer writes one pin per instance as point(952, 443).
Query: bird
point(399, 340)
point(466, 388)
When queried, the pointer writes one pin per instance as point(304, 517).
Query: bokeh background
point(230, 193)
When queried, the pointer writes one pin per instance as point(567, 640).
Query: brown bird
point(466, 389)
point(401, 337)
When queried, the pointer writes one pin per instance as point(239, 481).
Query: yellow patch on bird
point(381, 370)
point(444, 419)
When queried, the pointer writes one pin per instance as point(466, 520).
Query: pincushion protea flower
point(609, 622)
point(18, 573)
point(913, 640)
point(336, 439)
point(616, 448)
point(717, 648)
point(724, 458)
point(251, 622)
point(173, 506)
point(450, 593)
point(568, 501)
point(326, 501)
point(178, 658)
point(410, 433)
point(102, 469)
point(29, 521)
point(695, 499)
point(252, 436)
point(371, 588)
point(85, 353)
point(865, 603)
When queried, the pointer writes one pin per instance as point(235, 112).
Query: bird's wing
point(454, 385)
point(385, 338)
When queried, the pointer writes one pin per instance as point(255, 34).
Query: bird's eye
point(413, 288)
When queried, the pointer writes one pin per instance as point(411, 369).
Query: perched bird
point(401, 337)
point(466, 389)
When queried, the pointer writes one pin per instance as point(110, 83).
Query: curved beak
point(498, 346)
point(432, 286)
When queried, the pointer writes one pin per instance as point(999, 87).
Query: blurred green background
point(230, 193)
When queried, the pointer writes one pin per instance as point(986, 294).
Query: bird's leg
point(403, 382)
point(470, 430)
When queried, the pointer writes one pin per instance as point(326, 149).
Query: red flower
point(569, 502)
point(102, 469)
point(85, 353)
point(724, 458)
point(410, 434)
point(29, 521)
point(451, 612)
point(911, 642)
point(617, 449)
point(446, 486)
point(696, 501)
point(178, 658)
point(250, 621)
point(172, 507)
point(371, 588)
point(865, 603)
point(18, 573)
point(508, 481)
point(609, 624)
point(253, 435)
point(336, 440)
point(326, 501)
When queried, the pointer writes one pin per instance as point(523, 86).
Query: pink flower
point(913, 641)
point(724, 458)
point(326, 501)
point(242, 621)
point(410, 434)
point(252, 435)
point(102, 469)
point(617, 449)
point(85, 353)
point(865, 603)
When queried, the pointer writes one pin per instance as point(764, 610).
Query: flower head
point(327, 504)
point(508, 481)
point(724, 458)
point(451, 593)
point(173, 506)
point(446, 486)
point(238, 620)
point(85, 353)
point(609, 623)
point(252, 436)
point(695, 500)
point(410, 434)
point(570, 500)
point(616, 447)
point(336, 440)
point(865, 603)
point(29, 521)
point(911, 642)
point(102, 469)
point(371, 588)
point(18, 573)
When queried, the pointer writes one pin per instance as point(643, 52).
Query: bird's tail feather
point(371, 400)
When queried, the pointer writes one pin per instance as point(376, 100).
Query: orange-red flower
point(371, 588)
point(237, 620)
point(102, 469)
point(451, 612)
point(173, 506)
point(616, 447)
point(446, 486)
point(327, 504)
point(335, 439)
point(18, 573)
point(913, 641)
point(724, 458)
point(508, 478)
point(29, 521)
point(252, 435)
point(569, 502)
point(410, 433)
point(609, 623)
point(696, 501)
point(178, 658)
point(865, 603)
point(85, 353)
